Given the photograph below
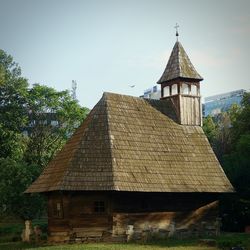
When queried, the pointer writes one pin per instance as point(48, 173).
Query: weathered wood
point(147, 214)
point(190, 113)
point(80, 221)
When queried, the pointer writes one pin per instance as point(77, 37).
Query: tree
point(229, 135)
point(13, 116)
point(15, 176)
point(236, 165)
point(54, 116)
point(217, 130)
point(210, 128)
point(49, 117)
point(222, 144)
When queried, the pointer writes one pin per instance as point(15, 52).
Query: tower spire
point(180, 83)
point(176, 33)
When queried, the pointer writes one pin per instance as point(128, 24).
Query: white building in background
point(152, 93)
point(216, 104)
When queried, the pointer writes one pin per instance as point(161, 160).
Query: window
point(166, 91)
point(194, 90)
point(174, 89)
point(99, 207)
point(184, 89)
point(57, 209)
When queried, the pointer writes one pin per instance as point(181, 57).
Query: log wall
point(137, 216)
point(80, 221)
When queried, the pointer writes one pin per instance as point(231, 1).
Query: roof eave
point(189, 79)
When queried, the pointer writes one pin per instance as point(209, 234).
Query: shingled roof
point(127, 144)
point(179, 66)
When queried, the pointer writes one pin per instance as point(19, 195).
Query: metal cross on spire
point(176, 27)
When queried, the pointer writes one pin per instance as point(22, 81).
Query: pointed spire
point(179, 66)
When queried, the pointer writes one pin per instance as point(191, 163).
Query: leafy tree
point(222, 144)
point(210, 129)
point(217, 130)
point(229, 135)
point(241, 123)
point(14, 178)
point(49, 117)
point(53, 117)
point(236, 208)
point(13, 115)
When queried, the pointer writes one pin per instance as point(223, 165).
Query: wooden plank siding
point(79, 219)
point(190, 113)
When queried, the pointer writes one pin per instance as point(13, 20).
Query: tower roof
point(179, 66)
point(130, 144)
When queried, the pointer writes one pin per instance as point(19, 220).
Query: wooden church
point(137, 168)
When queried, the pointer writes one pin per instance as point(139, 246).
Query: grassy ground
point(106, 246)
point(223, 242)
point(10, 239)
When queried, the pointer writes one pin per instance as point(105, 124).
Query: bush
point(231, 241)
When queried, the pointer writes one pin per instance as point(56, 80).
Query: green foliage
point(231, 142)
point(11, 232)
point(46, 105)
point(13, 115)
point(209, 128)
point(223, 242)
point(227, 241)
point(241, 124)
point(23, 157)
point(14, 179)
point(237, 167)
point(217, 130)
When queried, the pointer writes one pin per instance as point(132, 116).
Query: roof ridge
point(104, 100)
point(178, 44)
point(108, 94)
point(57, 184)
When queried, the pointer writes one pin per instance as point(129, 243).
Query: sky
point(109, 45)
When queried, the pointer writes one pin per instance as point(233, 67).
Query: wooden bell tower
point(180, 82)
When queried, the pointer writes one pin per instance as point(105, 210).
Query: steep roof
point(179, 66)
point(126, 144)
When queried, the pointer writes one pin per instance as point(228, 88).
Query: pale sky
point(107, 45)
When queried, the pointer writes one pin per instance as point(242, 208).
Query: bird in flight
point(131, 86)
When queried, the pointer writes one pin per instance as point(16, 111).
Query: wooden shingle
point(131, 144)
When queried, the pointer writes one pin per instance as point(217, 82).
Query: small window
point(99, 207)
point(58, 209)
point(174, 89)
point(194, 90)
point(166, 91)
point(184, 89)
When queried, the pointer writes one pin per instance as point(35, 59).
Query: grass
point(10, 239)
point(107, 246)
point(224, 242)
